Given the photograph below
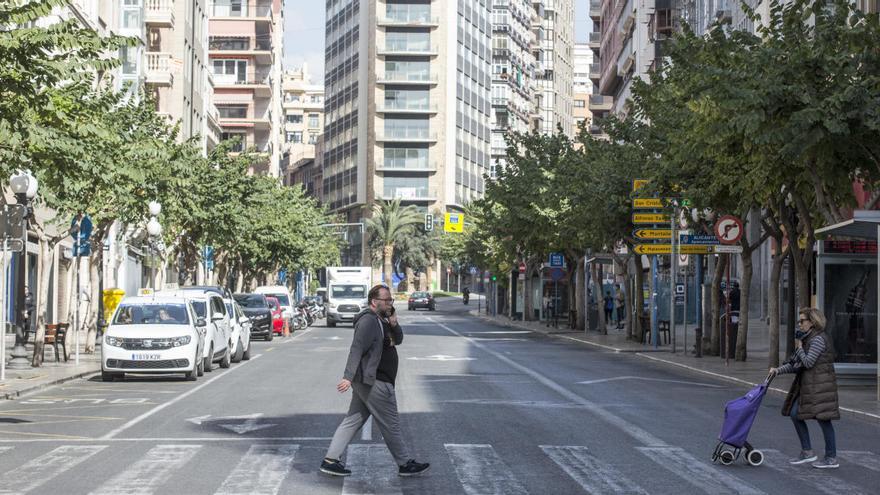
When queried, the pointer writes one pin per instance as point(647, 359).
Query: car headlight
point(179, 341)
point(113, 341)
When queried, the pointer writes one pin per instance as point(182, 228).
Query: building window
point(313, 121)
point(241, 138)
point(232, 111)
point(295, 119)
point(580, 103)
point(229, 71)
point(295, 137)
point(131, 14)
point(229, 43)
point(129, 56)
point(405, 187)
point(406, 158)
point(313, 139)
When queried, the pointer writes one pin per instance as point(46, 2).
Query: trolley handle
point(769, 379)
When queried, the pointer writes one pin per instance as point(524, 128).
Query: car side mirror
point(217, 316)
point(200, 322)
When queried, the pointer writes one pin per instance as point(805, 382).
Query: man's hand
point(343, 386)
point(392, 320)
point(774, 371)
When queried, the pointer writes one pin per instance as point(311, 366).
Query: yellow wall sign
point(650, 218)
point(639, 183)
point(454, 222)
point(653, 234)
point(647, 203)
point(667, 249)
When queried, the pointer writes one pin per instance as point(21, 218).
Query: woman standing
point(813, 394)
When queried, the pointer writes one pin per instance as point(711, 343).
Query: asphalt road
point(494, 410)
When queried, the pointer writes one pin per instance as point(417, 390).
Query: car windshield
point(229, 309)
point(200, 307)
point(420, 294)
point(282, 299)
point(349, 292)
point(151, 314)
point(251, 301)
point(273, 303)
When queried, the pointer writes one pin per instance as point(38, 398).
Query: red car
point(277, 318)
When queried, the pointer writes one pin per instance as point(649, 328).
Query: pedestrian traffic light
point(494, 278)
point(429, 222)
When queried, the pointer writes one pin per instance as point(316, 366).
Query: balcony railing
point(409, 77)
point(159, 12)
point(406, 135)
point(410, 19)
point(407, 49)
point(595, 71)
point(407, 106)
point(408, 166)
point(595, 39)
point(406, 193)
point(241, 46)
point(601, 102)
point(251, 80)
point(159, 68)
point(595, 9)
point(247, 11)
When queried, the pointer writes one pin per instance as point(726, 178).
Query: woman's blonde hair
point(815, 316)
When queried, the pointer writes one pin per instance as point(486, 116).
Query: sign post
point(673, 270)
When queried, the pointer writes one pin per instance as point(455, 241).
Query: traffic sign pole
point(673, 270)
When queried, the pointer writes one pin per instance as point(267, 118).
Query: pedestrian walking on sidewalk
point(813, 394)
point(609, 308)
point(620, 303)
point(370, 374)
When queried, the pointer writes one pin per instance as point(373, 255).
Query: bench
point(663, 331)
point(56, 334)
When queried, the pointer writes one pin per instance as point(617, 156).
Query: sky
point(304, 33)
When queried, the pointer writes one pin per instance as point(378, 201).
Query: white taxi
point(152, 334)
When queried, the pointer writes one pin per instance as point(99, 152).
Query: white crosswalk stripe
point(373, 471)
point(708, 478)
point(481, 471)
point(867, 460)
point(592, 474)
point(260, 471)
point(822, 480)
point(6, 448)
point(147, 474)
point(41, 469)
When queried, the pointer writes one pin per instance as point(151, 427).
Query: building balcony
point(595, 73)
point(625, 59)
point(261, 51)
point(408, 21)
point(159, 13)
point(253, 11)
point(409, 51)
point(595, 40)
point(391, 77)
point(159, 69)
point(407, 108)
point(406, 136)
point(261, 84)
point(419, 194)
point(423, 168)
point(601, 103)
point(596, 10)
point(627, 18)
point(263, 122)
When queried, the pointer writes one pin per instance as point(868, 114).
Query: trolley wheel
point(727, 458)
point(755, 457)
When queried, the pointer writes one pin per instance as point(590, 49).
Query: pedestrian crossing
point(269, 468)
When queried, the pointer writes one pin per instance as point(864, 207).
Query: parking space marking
point(51, 435)
point(38, 409)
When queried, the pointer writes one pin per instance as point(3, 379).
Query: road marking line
point(68, 408)
point(480, 471)
point(65, 437)
point(592, 474)
point(707, 478)
point(261, 471)
point(645, 378)
point(367, 429)
point(5, 449)
point(145, 475)
point(41, 469)
point(174, 439)
point(824, 482)
point(867, 460)
point(270, 349)
point(182, 396)
point(370, 471)
point(639, 434)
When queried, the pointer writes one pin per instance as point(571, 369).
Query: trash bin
point(593, 317)
point(730, 342)
point(698, 342)
point(111, 299)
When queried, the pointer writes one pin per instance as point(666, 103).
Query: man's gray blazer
point(366, 347)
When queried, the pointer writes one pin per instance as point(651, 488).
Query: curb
point(15, 394)
point(845, 411)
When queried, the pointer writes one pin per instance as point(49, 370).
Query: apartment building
point(245, 52)
point(554, 72)
point(583, 88)
point(408, 103)
point(303, 103)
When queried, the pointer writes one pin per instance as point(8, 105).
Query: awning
point(863, 224)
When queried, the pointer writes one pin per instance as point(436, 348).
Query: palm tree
point(390, 223)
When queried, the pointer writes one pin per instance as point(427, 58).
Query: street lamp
point(24, 186)
point(154, 229)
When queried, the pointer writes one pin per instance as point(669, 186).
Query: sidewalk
point(857, 400)
point(21, 382)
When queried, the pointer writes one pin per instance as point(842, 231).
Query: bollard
point(698, 345)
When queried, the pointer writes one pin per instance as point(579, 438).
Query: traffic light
point(429, 222)
point(494, 278)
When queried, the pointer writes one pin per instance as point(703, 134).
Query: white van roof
point(271, 289)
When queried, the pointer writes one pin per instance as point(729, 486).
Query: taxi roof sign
point(146, 291)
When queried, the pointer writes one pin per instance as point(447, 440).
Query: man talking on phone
point(370, 373)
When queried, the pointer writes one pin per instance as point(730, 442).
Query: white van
point(284, 298)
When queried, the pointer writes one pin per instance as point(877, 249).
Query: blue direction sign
point(557, 260)
point(698, 239)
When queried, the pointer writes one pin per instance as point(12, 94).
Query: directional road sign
point(698, 239)
point(557, 260)
point(647, 203)
point(454, 222)
point(667, 249)
point(643, 218)
point(720, 249)
point(639, 183)
point(652, 234)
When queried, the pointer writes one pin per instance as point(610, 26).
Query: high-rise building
point(245, 50)
point(408, 103)
point(583, 88)
point(554, 72)
point(303, 103)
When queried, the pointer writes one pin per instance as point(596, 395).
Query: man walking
point(370, 374)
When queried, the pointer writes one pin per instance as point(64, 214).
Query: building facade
point(555, 72)
point(582, 89)
point(245, 52)
point(303, 103)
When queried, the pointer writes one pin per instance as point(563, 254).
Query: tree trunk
point(597, 290)
point(44, 266)
point(91, 319)
point(802, 275)
point(410, 279)
point(528, 311)
point(429, 274)
point(773, 304)
point(639, 299)
point(715, 342)
point(745, 289)
point(581, 295)
point(387, 252)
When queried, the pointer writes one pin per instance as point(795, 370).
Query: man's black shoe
point(413, 468)
point(334, 468)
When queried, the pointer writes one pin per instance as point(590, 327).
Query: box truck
point(347, 288)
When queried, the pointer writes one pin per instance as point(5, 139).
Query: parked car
point(241, 333)
point(284, 299)
point(153, 334)
point(277, 315)
point(421, 299)
point(256, 307)
point(209, 305)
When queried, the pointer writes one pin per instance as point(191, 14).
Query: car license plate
point(145, 357)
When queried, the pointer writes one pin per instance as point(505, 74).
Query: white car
point(241, 333)
point(153, 335)
point(284, 299)
point(218, 342)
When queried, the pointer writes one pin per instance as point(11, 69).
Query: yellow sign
point(454, 222)
point(667, 249)
point(639, 183)
point(650, 218)
point(647, 203)
point(653, 234)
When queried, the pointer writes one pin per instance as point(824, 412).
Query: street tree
point(388, 225)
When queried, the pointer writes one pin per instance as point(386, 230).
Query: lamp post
point(24, 186)
point(154, 229)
